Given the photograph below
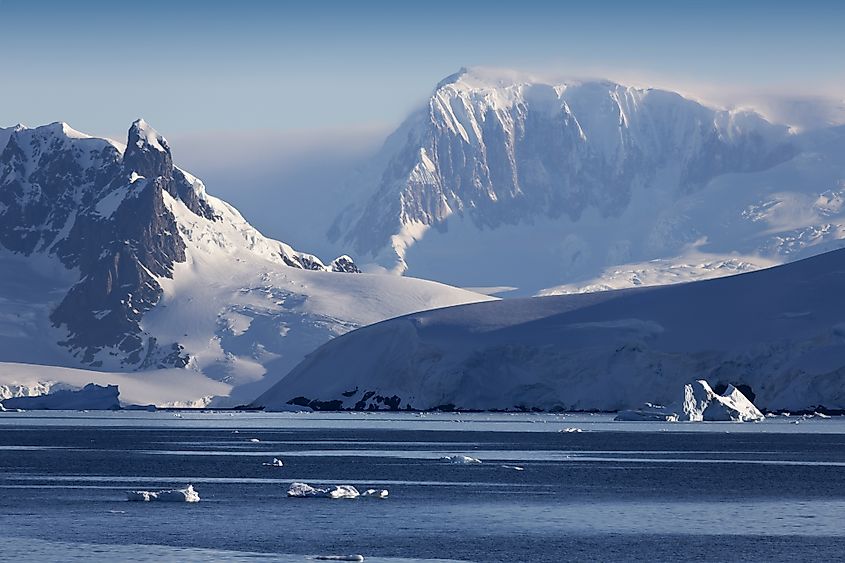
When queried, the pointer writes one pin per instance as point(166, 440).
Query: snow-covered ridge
point(116, 259)
point(777, 333)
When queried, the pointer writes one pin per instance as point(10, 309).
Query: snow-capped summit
point(114, 258)
point(141, 135)
point(568, 179)
point(147, 152)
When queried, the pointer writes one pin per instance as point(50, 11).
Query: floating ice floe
point(375, 493)
point(514, 467)
point(275, 463)
point(460, 459)
point(303, 490)
point(699, 403)
point(570, 430)
point(188, 494)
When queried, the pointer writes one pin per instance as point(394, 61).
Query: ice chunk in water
point(304, 490)
point(460, 459)
point(275, 463)
point(375, 493)
point(188, 494)
point(699, 403)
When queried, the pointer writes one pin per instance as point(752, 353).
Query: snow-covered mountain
point(777, 333)
point(115, 259)
point(502, 180)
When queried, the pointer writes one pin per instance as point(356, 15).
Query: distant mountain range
point(119, 266)
point(503, 180)
point(115, 259)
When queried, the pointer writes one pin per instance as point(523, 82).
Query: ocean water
point(589, 488)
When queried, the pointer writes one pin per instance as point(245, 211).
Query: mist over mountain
point(503, 180)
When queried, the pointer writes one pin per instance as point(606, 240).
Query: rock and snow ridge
point(115, 259)
point(778, 333)
point(503, 180)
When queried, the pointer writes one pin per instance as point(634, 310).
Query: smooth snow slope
point(780, 331)
point(508, 180)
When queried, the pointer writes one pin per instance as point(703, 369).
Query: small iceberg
point(254, 440)
point(275, 463)
point(570, 430)
point(699, 403)
point(375, 493)
point(188, 494)
point(460, 459)
point(304, 490)
point(514, 467)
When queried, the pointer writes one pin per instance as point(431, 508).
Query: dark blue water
point(616, 491)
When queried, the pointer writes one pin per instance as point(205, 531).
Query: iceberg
point(699, 403)
point(460, 459)
point(188, 494)
point(304, 490)
point(91, 397)
point(375, 493)
point(275, 463)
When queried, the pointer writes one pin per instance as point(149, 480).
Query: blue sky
point(191, 67)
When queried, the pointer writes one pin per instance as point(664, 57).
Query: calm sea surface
point(610, 491)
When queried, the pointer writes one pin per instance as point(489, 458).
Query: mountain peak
point(141, 134)
point(147, 152)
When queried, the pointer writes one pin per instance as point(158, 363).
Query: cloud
point(283, 182)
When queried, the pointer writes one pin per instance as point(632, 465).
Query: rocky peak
point(147, 152)
point(503, 149)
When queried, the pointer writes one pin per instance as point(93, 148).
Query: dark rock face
point(104, 214)
point(303, 261)
point(344, 264)
point(107, 214)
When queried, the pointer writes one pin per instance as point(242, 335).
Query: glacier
point(778, 334)
point(89, 397)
